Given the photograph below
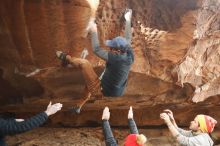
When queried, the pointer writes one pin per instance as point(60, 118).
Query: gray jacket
point(187, 138)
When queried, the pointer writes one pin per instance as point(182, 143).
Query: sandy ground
point(83, 137)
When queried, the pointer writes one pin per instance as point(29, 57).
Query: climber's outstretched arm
point(128, 34)
point(103, 54)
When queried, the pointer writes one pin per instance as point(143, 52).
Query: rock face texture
point(176, 45)
point(200, 67)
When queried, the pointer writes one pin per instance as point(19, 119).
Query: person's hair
point(141, 139)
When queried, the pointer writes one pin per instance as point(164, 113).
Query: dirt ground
point(86, 137)
point(83, 137)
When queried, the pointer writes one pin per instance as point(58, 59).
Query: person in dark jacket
point(118, 60)
point(15, 126)
point(133, 139)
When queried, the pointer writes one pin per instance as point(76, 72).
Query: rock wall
point(176, 45)
point(200, 66)
point(31, 31)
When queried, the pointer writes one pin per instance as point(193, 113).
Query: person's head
point(120, 45)
point(135, 140)
point(203, 123)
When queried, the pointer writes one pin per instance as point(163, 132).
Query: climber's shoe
point(75, 109)
point(62, 56)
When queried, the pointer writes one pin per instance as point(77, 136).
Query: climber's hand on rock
point(128, 15)
point(92, 26)
point(106, 114)
point(93, 4)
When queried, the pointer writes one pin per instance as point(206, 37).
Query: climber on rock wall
point(118, 60)
point(198, 135)
point(133, 139)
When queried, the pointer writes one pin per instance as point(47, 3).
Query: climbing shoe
point(62, 56)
